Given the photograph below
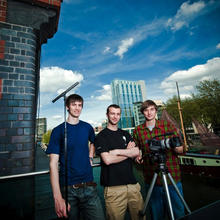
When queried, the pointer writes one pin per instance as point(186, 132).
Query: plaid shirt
point(141, 135)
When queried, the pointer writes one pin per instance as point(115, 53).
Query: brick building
point(24, 26)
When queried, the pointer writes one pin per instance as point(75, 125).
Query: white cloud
point(123, 47)
point(218, 46)
point(94, 111)
point(57, 117)
point(94, 123)
point(106, 50)
point(105, 93)
point(54, 79)
point(185, 14)
point(187, 79)
point(72, 1)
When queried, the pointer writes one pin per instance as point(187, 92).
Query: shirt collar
point(157, 125)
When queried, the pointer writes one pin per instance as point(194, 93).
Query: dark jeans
point(85, 203)
point(158, 202)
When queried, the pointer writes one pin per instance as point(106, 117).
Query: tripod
point(164, 171)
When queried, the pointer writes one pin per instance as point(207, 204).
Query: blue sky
point(157, 41)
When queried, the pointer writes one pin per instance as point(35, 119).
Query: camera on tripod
point(158, 147)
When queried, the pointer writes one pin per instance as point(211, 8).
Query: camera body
point(166, 143)
point(158, 147)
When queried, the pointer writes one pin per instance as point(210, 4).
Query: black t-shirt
point(118, 173)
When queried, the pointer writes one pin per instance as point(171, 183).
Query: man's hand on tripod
point(179, 150)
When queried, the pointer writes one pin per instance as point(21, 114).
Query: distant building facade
point(98, 129)
point(125, 93)
point(104, 124)
point(41, 128)
point(138, 116)
point(160, 106)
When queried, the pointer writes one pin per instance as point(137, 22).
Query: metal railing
point(37, 173)
point(29, 195)
point(24, 175)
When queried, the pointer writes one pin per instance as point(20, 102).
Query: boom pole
point(181, 118)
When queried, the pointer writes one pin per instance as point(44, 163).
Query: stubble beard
point(112, 123)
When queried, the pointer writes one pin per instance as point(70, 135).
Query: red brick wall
point(2, 49)
point(50, 2)
point(3, 14)
point(3, 8)
point(46, 3)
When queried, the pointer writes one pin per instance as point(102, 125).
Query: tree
point(204, 105)
point(208, 97)
point(46, 137)
point(190, 109)
point(172, 109)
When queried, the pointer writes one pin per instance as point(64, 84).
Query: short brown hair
point(112, 106)
point(146, 104)
point(73, 98)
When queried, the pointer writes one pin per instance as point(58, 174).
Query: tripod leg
point(142, 213)
point(178, 192)
point(165, 185)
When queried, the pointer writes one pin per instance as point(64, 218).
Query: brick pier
point(24, 26)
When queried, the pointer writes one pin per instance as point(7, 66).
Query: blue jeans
point(158, 202)
point(85, 203)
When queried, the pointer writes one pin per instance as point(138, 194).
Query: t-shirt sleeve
point(128, 137)
point(100, 145)
point(54, 143)
point(91, 134)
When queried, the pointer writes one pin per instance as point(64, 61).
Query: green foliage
point(203, 106)
point(46, 137)
point(209, 101)
point(172, 108)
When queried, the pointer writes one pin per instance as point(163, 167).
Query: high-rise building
point(124, 94)
point(138, 116)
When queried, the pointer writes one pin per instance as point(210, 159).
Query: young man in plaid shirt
point(142, 134)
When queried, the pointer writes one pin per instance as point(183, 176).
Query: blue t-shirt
point(78, 163)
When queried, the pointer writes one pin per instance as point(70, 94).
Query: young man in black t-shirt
point(117, 149)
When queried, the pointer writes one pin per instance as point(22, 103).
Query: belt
point(81, 185)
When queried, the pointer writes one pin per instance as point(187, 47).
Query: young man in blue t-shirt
point(82, 193)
